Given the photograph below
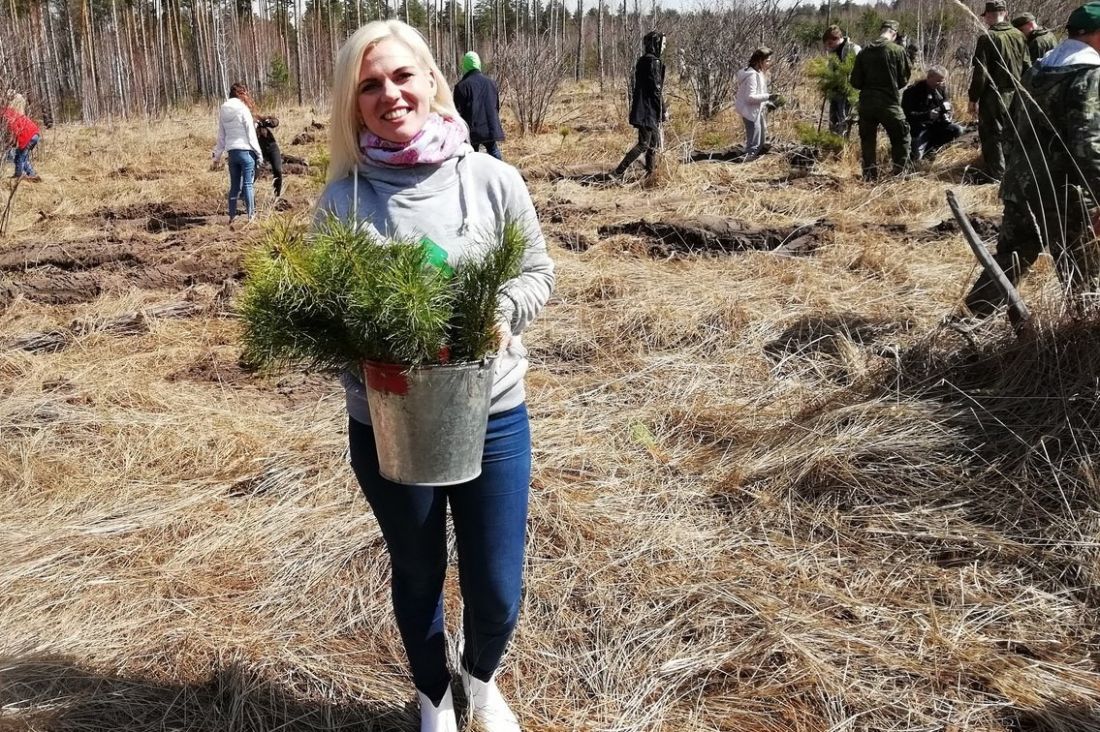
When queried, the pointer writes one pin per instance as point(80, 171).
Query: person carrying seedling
point(840, 49)
point(881, 71)
point(478, 101)
point(1040, 40)
point(1000, 58)
point(400, 165)
point(928, 112)
point(1052, 178)
point(647, 104)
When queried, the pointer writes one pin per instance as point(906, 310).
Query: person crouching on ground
point(477, 100)
point(647, 105)
point(752, 101)
point(928, 112)
point(23, 135)
point(237, 135)
point(400, 166)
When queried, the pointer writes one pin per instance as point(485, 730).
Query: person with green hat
point(477, 99)
point(1000, 58)
point(1040, 40)
point(1052, 178)
point(881, 71)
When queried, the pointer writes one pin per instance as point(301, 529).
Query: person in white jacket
point(237, 136)
point(752, 100)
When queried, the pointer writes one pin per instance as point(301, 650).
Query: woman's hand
point(504, 333)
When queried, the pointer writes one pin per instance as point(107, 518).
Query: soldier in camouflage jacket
point(1053, 176)
point(880, 73)
point(1000, 58)
point(1040, 40)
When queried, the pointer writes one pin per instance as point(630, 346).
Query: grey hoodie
point(455, 204)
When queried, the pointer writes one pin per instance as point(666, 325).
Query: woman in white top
point(237, 135)
point(752, 99)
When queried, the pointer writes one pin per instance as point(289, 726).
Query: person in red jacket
point(22, 134)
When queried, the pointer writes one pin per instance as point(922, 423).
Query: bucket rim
point(407, 367)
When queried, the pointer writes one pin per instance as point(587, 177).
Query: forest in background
point(89, 60)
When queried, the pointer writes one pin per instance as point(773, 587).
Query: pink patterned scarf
point(437, 141)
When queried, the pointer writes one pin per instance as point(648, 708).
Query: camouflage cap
point(889, 25)
point(1022, 19)
point(995, 6)
point(1084, 19)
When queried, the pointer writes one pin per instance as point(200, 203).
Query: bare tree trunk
point(599, 43)
point(580, 41)
point(298, 51)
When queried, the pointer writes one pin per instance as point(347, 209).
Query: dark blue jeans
point(23, 159)
point(491, 147)
point(242, 171)
point(490, 523)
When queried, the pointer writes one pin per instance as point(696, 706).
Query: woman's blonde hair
point(18, 103)
point(344, 127)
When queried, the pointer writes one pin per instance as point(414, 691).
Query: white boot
point(439, 718)
point(487, 705)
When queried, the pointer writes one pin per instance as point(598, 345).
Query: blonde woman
point(400, 164)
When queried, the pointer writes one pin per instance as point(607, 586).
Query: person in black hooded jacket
point(647, 107)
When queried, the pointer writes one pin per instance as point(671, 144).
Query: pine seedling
point(410, 302)
point(339, 295)
point(833, 77)
point(479, 282)
point(288, 320)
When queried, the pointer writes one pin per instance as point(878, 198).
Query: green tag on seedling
point(437, 256)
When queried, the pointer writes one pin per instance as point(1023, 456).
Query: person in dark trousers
point(928, 112)
point(839, 48)
point(880, 73)
point(1040, 40)
point(1052, 176)
point(478, 102)
point(647, 106)
point(270, 148)
point(1000, 58)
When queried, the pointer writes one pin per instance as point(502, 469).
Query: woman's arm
point(253, 141)
point(758, 89)
point(524, 296)
point(219, 146)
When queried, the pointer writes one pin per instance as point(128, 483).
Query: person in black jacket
point(477, 100)
point(270, 149)
point(647, 107)
point(928, 112)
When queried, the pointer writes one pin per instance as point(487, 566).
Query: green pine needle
point(336, 296)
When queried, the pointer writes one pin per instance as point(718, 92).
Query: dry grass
point(770, 493)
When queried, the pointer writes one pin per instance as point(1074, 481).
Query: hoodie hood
point(654, 43)
point(1070, 53)
point(421, 181)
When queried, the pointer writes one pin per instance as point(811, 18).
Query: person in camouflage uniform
point(880, 73)
point(1000, 58)
point(1053, 174)
point(1040, 40)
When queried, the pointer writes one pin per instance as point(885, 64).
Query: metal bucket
point(429, 421)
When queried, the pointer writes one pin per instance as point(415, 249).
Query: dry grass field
point(770, 492)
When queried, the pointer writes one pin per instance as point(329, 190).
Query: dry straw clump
point(770, 493)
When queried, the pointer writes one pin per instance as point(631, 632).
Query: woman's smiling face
point(395, 92)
